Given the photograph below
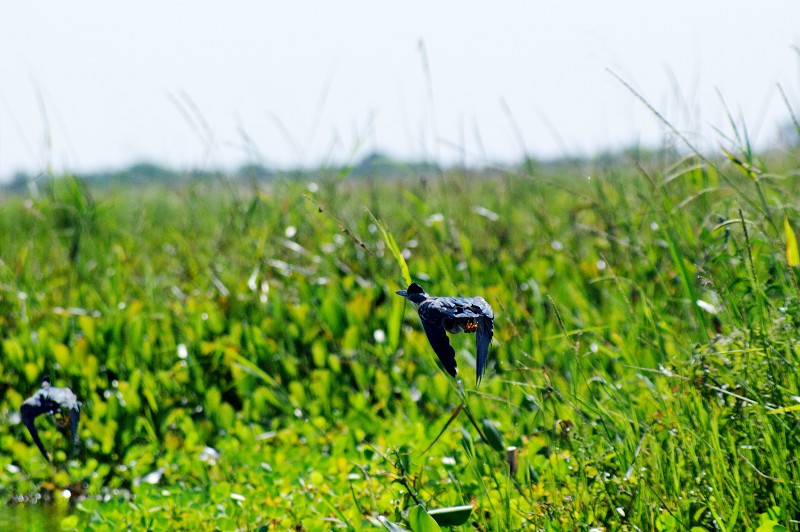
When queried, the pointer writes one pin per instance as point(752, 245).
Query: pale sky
point(97, 85)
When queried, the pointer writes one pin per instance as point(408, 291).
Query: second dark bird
point(51, 400)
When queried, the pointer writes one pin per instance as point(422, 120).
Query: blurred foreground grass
point(244, 362)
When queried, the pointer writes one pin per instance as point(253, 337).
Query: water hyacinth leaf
point(149, 385)
point(768, 525)
point(226, 416)
point(359, 308)
point(220, 491)
point(87, 325)
point(318, 353)
point(452, 516)
point(213, 400)
point(332, 312)
point(351, 338)
point(31, 371)
point(334, 363)
point(62, 355)
point(15, 354)
point(69, 523)
point(297, 393)
point(383, 386)
point(130, 396)
point(420, 521)
point(666, 522)
point(775, 513)
point(792, 253)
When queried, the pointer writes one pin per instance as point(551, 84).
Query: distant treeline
point(374, 165)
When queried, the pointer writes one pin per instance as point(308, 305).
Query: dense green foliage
point(243, 360)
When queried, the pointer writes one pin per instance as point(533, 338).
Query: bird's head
point(415, 294)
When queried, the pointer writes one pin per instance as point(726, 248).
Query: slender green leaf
point(792, 254)
point(784, 410)
point(394, 249)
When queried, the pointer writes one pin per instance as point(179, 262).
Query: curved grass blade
point(452, 418)
point(792, 254)
point(391, 526)
point(393, 248)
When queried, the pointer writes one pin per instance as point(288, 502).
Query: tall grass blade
point(394, 249)
point(449, 421)
point(792, 254)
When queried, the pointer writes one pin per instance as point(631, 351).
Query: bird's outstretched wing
point(462, 307)
point(74, 418)
point(472, 308)
point(29, 413)
point(434, 313)
point(434, 330)
point(482, 340)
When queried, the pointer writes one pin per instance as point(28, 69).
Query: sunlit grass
point(244, 362)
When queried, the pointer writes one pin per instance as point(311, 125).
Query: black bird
point(454, 315)
point(51, 400)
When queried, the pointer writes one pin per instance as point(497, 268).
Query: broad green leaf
point(87, 325)
point(62, 355)
point(768, 525)
point(31, 371)
point(226, 416)
point(452, 516)
point(775, 512)
point(666, 522)
point(420, 521)
point(70, 523)
point(14, 354)
point(220, 491)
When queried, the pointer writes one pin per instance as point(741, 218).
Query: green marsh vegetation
point(244, 363)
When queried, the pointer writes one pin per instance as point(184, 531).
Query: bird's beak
point(402, 293)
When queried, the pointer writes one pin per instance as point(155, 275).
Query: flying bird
point(51, 400)
point(454, 315)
